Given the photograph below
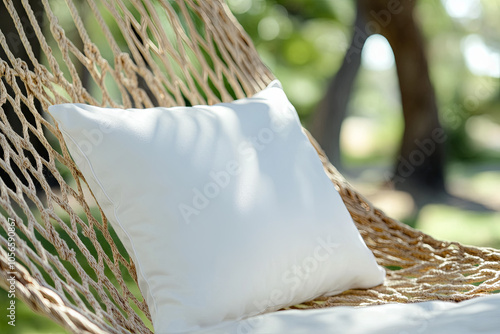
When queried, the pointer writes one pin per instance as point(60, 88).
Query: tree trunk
point(327, 120)
point(420, 165)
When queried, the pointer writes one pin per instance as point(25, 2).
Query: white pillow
point(226, 209)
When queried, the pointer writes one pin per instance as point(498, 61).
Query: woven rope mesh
point(68, 263)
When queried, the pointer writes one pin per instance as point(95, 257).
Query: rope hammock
point(68, 263)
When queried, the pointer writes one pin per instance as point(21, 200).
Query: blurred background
point(403, 95)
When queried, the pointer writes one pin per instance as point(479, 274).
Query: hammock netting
point(68, 263)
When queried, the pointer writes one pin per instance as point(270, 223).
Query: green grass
point(27, 321)
point(453, 224)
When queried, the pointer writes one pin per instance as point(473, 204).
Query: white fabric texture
point(225, 209)
point(479, 316)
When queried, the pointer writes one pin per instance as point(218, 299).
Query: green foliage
point(304, 42)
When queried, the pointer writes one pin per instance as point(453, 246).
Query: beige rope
point(68, 266)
